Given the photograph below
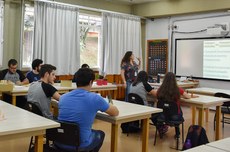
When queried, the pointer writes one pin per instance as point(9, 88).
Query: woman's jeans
point(127, 90)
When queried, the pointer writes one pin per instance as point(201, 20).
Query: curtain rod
point(89, 8)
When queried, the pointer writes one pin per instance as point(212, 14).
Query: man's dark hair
point(46, 68)
point(36, 63)
point(84, 65)
point(84, 76)
point(12, 62)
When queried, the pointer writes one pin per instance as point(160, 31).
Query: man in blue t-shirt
point(34, 74)
point(81, 106)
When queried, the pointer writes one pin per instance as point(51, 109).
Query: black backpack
point(197, 136)
point(131, 127)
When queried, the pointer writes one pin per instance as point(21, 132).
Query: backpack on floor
point(196, 136)
point(131, 127)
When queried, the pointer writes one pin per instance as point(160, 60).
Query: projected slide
point(207, 58)
point(216, 59)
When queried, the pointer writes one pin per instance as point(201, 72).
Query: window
point(90, 36)
point(27, 55)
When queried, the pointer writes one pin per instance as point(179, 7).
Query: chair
point(135, 98)
point(68, 134)
point(225, 109)
point(36, 110)
point(170, 117)
point(133, 126)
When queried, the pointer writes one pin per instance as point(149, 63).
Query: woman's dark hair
point(169, 90)
point(142, 76)
point(84, 76)
point(126, 58)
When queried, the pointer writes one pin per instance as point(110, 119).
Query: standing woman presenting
point(129, 70)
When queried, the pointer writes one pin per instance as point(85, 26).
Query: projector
point(218, 29)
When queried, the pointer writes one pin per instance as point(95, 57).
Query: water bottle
point(158, 78)
point(188, 144)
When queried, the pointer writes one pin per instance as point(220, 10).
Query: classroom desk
point(201, 103)
point(19, 123)
point(23, 90)
point(127, 112)
point(189, 84)
point(207, 91)
point(112, 88)
point(204, 148)
point(223, 144)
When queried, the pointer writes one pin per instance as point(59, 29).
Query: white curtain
point(120, 34)
point(56, 36)
point(1, 30)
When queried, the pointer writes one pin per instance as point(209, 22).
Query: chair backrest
point(34, 108)
point(68, 134)
point(170, 109)
point(135, 98)
point(223, 95)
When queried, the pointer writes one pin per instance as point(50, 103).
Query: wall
point(12, 18)
point(159, 29)
point(177, 7)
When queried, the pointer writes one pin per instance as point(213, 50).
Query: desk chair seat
point(36, 110)
point(169, 117)
point(225, 109)
point(68, 134)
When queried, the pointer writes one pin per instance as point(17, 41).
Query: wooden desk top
point(204, 148)
point(188, 84)
point(207, 91)
point(128, 112)
point(19, 121)
point(223, 144)
point(204, 101)
point(95, 87)
point(22, 90)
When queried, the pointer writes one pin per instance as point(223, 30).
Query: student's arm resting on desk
point(188, 96)
point(56, 96)
point(112, 110)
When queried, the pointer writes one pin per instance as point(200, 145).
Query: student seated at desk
point(81, 106)
point(17, 77)
point(141, 87)
point(41, 92)
point(170, 92)
point(34, 74)
point(82, 66)
point(13, 74)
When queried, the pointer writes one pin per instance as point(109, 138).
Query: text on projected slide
point(216, 59)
